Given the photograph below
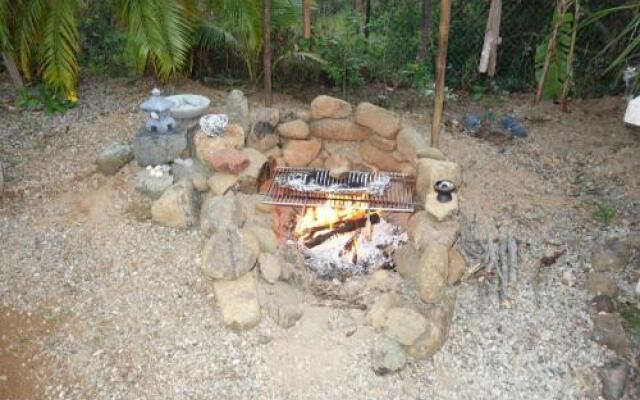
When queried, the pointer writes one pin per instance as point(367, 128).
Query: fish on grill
point(320, 181)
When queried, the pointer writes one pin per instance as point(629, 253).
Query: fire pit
point(341, 231)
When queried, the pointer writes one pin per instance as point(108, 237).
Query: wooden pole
point(551, 46)
point(445, 17)
point(306, 19)
point(489, 54)
point(266, 50)
point(564, 104)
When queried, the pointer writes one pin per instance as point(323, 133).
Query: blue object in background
point(514, 127)
point(471, 122)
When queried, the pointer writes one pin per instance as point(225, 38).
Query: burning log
point(341, 227)
point(312, 230)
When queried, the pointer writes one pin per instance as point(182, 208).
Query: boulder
point(238, 302)
point(387, 356)
point(251, 241)
point(270, 267)
point(441, 211)
point(263, 132)
point(438, 319)
point(614, 375)
point(431, 273)
point(299, 153)
point(176, 208)
point(404, 325)
point(382, 143)
point(377, 314)
point(380, 120)
point(296, 129)
point(256, 161)
point(153, 148)
point(113, 157)
point(264, 143)
point(382, 159)
point(232, 138)
point(433, 153)
point(219, 183)
point(236, 106)
point(338, 129)
point(220, 213)
point(424, 229)
point(608, 331)
point(282, 303)
point(193, 170)
point(152, 185)
point(304, 115)
point(337, 165)
point(227, 255)
point(601, 283)
point(266, 237)
point(457, 266)
point(269, 117)
point(430, 171)
point(411, 144)
point(406, 260)
point(329, 107)
point(228, 161)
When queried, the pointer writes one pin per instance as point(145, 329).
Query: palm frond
point(59, 47)
point(209, 35)
point(157, 31)
point(29, 18)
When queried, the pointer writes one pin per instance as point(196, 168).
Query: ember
point(340, 242)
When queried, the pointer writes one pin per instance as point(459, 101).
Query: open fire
point(339, 242)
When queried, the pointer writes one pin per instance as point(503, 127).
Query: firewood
point(343, 227)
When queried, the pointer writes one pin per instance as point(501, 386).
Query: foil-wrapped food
point(353, 183)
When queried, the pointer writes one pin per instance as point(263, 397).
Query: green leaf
point(59, 48)
point(557, 71)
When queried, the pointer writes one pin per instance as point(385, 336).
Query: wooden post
point(551, 46)
point(266, 50)
point(306, 19)
point(445, 17)
point(492, 39)
point(564, 104)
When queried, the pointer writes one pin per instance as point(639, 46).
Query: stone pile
point(211, 183)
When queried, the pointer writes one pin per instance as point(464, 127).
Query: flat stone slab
point(153, 148)
point(238, 302)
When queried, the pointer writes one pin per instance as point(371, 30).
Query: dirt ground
point(96, 302)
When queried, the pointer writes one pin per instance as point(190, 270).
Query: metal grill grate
point(397, 197)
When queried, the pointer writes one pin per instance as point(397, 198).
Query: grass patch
point(604, 211)
point(630, 318)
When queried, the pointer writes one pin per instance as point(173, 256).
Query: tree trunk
point(358, 5)
point(367, 18)
point(266, 38)
point(564, 102)
point(10, 63)
point(445, 17)
point(425, 30)
point(306, 19)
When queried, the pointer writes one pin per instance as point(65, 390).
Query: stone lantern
point(161, 140)
point(158, 108)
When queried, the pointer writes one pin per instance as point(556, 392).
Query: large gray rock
point(238, 302)
point(406, 260)
point(266, 237)
point(153, 148)
point(608, 331)
point(614, 379)
point(236, 107)
point(152, 185)
point(193, 170)
point(270, 267)
point(431, 273)
point(176, 208)
point(404, 325)
point(220, 213)
point(377, 314)
point(227, 255)
point(387, 356)
point(263, 135)
point(324, 106)
point(282, 303)
point(411, 144)
point(113, 157)
point(439, 317)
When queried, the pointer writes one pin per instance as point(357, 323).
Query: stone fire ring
point(188, 105)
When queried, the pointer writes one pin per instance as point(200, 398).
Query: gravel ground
point(134, 319)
